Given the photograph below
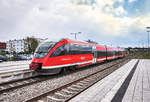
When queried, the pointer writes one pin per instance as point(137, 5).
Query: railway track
point(11, 85)
point(16, 84)
point(4, 87)
point(66, 92)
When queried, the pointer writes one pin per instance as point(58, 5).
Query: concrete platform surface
point(14, 66)
point(139, 87)
point(107, 89)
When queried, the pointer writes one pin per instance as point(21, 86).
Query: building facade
point(17, 45)
point(2, 46)
point(20, 45)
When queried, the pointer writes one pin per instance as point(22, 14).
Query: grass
point(145, 56)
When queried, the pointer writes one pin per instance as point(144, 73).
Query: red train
point(51, 57)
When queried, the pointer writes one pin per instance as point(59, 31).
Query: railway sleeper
point(74, 89)
point(40, 101)
point(77, 86)
point(86, 81)
point(81, 84)
point(1, 87)
point(60, 94)
point(53, 99)
point(64, 93)
point(31, 80)
point(11, 85)
point(67, 91)
point(18, 83)
point(25, 82)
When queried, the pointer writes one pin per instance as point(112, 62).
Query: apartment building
point(17, 45)
point(2, 46)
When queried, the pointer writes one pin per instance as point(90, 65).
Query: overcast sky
point(111, 22)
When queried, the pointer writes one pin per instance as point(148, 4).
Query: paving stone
point(139, 87)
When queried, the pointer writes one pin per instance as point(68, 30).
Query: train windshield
point(43, 49)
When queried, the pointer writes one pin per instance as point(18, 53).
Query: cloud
point(98, 20)
point(131, 1)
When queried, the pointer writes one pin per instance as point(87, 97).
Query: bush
point(2, 53)
point(145, 56)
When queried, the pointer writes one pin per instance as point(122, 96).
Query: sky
point(108, 22)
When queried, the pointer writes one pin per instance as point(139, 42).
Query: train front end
point(40, 58)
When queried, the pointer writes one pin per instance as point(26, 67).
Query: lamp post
point(75, 34)
point(148, 30)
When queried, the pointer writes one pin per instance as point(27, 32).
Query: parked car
point(29, 56)
point(17, 57)
point(3, 58)
point(22, 57)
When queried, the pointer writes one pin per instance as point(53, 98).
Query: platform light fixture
point(75, 34)
point(148, 30)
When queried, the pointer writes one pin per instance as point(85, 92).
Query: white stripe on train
point(66, 65)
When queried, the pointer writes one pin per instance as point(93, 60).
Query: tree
point(32, 44)
point(3, 53)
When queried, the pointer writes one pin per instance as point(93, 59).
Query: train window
point(43, 49)
point(120, 53)
point(110, 53)
point(86, 49)
point(66, 48)
point(101, 54)
point(116, 53)
point(59, 51)
point(80, 49)
point(74, 49)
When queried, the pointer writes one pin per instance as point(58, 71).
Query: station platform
point(12, 66)
point(129, 83)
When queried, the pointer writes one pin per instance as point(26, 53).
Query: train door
point(94, 54)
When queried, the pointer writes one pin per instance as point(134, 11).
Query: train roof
point(66, 40)
point(78, 42)
point(83, 43)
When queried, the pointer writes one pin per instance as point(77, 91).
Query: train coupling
point(35, 66)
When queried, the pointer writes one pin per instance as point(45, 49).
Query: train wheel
point(72, 68)
point(62, 70)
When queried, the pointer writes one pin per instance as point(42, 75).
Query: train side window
point(58, 51)
point(67, 49)
point(74, 49)
point(86, 49)
point(101, 54)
